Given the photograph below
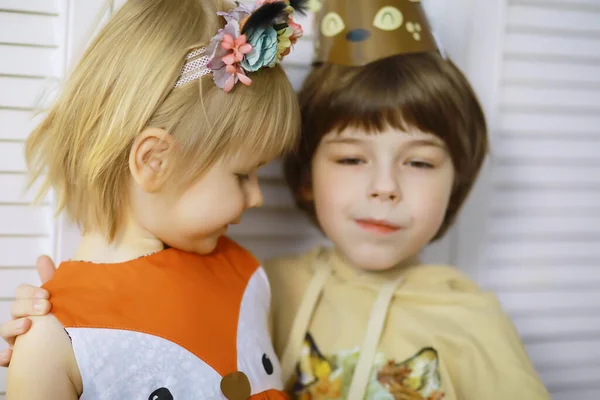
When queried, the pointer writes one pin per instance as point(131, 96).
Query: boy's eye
point(243, 177)
point(420, 164)
point(350, 161)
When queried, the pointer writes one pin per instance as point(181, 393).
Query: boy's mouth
point(378, 225)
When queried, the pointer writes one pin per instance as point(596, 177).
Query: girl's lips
point(379, 226)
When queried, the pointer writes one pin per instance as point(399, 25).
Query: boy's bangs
point(374, 107)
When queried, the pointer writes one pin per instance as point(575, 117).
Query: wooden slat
point(16, 125)
point(276, 195)
point(557, 354)
point(541, 278)
point(273, 223)
point(23, 251)
point(296, 75)
point(542, 175)
point(549, 72)
point(41, 6)
point(554, 20)
point(22, 92)
point(536, 176)
point(531, 45)
point(567, 302)
point(559, 3)
point(522, 253)
point(571, 379)
point(273, 170)
point(12, 158)
point(556, 150)
point(569, 98)
point(548, 123)
point(301, 55)
point(11, 278)
point(518, 226)
point(540, 200)
point(29, 61)
point(25, 220)
point(537, 328)
point(12, 189)
point(578, 393)
point(28, 29)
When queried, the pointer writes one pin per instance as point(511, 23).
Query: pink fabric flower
point(298, 31)
point(235, 71)
point(238, 47)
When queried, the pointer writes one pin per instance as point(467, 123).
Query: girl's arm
point(43, 364)
point(30, 301)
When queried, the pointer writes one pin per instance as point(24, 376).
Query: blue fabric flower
point(264, 49)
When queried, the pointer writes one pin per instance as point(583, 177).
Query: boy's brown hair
point(422, 91)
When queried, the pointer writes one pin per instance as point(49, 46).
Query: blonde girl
point(152, 148)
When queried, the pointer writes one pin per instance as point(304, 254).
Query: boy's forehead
point(361, 134)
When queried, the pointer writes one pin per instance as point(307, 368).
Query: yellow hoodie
point(440, 336)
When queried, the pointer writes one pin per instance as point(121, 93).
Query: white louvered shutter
point(541, 242)
point(31, 56)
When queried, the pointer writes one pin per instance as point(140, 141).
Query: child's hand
point(30, 301)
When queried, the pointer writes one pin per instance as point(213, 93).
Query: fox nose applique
point(358, 35)
point(236, 386)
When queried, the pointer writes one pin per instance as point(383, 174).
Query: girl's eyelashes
point(350, 161)
point(243, 177)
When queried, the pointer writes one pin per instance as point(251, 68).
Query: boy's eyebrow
point(346, 140)
point(427, 142)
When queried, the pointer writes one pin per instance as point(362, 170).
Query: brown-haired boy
point(393, 138)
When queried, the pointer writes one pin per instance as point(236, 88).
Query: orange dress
point(171, 325)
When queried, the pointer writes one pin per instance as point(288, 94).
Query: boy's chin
point(378, 259)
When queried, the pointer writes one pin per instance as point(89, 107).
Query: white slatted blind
point(542, 252)
point(31, 37)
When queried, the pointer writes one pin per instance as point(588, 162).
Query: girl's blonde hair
point(124, 84)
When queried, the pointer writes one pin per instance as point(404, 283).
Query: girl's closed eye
point(350, 161)
point(243, 177)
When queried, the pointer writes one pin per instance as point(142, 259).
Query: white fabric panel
point(34, 6)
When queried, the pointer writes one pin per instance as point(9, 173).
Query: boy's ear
point(150, 159)
point(305, 191)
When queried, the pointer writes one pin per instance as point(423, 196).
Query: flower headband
point(253, 37)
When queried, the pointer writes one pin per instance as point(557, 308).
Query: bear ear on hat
point(359, 32)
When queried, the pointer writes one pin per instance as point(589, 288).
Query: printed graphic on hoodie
point(320, 377)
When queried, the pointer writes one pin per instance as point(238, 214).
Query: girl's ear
point(150, 159)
